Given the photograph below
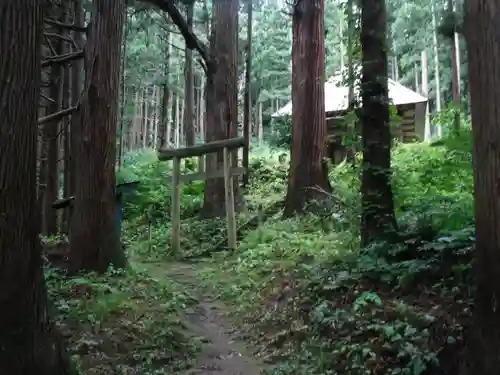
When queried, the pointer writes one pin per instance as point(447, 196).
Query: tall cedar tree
point(189, 113)
point(378, 218)
point(51, 132)
point(94, 237)
point(164, 137)
point(247, 105)
point(222, 96)
point(308, 176)
point(483, 47)
point(28, 342)
point(77, 78)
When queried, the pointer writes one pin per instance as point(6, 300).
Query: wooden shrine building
point(411, 107)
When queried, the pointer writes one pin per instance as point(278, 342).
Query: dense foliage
point(305, 293)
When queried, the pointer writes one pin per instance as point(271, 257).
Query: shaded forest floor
point(153, 319)
point(223, 351)
point(298, 296)
point(354, 317)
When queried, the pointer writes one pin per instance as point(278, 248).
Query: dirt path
point(223, 353)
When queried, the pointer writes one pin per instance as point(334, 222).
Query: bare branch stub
point(58, 36)
point(61, 59)
point(56, 116)
point(63, 25)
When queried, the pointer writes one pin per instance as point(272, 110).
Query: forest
point(244, 187)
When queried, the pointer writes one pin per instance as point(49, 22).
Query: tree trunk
point(378, 220)
point(483, 47)
point(308, 176)
point(425, 92)
point(342, 48)
point(77, 78)
point(94, 240)
point(188, 115)
point(66, 136)
point(123, 89)
point(29, 343)
point(396, 69)
point(51, 134)
point(455, 79)
point(437, 71)
point(157, 117)
point(417, 86)
point(247, 115)
point(175, 109)
point(164, 127)
point(222, 110)
point(435, 47)
point(136, 120)
point(260, 126)
point(144, 117)
point(351, 25)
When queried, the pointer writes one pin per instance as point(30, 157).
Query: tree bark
point(308, 176)
point(65, 147)
point(94, 240)
point(437, 71)
point(351, 31)
point(455, 79)
point(483, 47)
point(51, 134)
point(247, 115)
point(425, 92)
point(29, 343)
point(188, 115)
point(222, 110)
point(164, 139)
point(378, 220)
point(123, 89)
point(77, 78)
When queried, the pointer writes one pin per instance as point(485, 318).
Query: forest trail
point(222, 353)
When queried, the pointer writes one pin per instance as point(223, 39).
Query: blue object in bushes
point(121, 189)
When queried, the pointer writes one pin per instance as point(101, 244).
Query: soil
point(223, 353)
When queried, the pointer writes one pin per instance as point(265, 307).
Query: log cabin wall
point(407, 127)
point(337, 152)
point(405, 132)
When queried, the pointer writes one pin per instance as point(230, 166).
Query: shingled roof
point(336, 96)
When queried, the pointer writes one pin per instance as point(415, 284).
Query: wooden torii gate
point(176, 155)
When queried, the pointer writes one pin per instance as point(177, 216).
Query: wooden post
point(228, 188)
point(201, 163)
point(176, 206)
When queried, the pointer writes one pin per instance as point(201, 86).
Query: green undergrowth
point(124, 322)
point(151, 203)
point(311, 299)
point(317, 304)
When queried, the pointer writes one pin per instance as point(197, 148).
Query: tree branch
point(63, 37)
point(61, 59)
point(192, 41)
point(47, 98)
point(63, 25)
point(56, 116)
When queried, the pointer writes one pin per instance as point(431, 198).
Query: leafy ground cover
point(302, 290)
point(125, 322)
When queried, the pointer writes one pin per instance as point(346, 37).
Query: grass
point(123, 322)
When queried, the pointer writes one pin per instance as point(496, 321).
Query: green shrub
point(282, 135)
point(154, 190)
point(319, 305)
